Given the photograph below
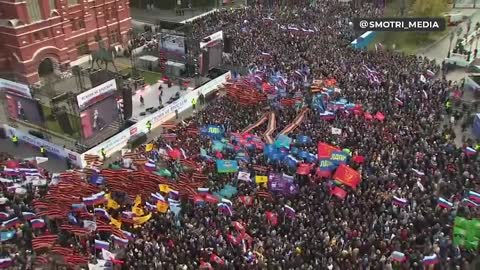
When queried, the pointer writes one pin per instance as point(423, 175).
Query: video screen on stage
point(173, 47)
point(24, 109)
point(99, 116)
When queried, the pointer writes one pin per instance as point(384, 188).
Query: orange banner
point(347, 176)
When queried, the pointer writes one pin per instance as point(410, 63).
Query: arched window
point(33, 8)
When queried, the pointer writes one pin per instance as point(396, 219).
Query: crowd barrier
point(51, 148)
point(364, 40)
point(119, 141)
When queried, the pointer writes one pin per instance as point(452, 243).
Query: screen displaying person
point(98, 122)
point(20, 111)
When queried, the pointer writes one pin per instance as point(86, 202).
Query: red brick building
point(60, 31)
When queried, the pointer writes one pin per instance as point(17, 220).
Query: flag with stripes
point(169, 124)
point(44, 241)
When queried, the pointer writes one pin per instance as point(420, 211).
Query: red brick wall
point(56, 37)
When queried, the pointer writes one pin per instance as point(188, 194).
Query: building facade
point(60, 31)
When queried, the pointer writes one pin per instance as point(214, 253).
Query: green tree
point(429, 8)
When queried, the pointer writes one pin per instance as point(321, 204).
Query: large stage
point(151, 94)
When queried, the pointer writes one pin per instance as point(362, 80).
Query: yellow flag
point(116, 223)
point(138, 201)
point(149, 147)
point(261, 180)
point(162, 207)
point(164, 188)
point(138, 211)
point(142, 220)
point(111, 203)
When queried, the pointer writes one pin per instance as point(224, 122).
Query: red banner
point(304, 169)
point(339, 192)
point(347, 176)
point(325, 150)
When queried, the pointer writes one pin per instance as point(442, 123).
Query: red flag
point(358, 159)
point(368, 116)
point(380, 116)
point(347, 176)
point(205, 266)
point(325, 150)
point(210, 198)
point(323, 173)
point(303, 169)
point(246, 200)
point(238, 226)
point(272, 218)
point(214, 258)
point(232, 239)
point(339, 192)
point(197, 199)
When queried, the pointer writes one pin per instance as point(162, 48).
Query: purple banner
point(283, 184)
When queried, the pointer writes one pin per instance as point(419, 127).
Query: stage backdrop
point(98, 116)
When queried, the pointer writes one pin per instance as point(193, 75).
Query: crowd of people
point(405, 156)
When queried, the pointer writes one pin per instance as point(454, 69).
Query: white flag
point(244, 176)
point(336, 131)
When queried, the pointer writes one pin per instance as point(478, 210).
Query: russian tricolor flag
point(327, 115)
point(469, 203)
point(227, 202)
point(469, 151)
point(399, 201)
point(10, 171)
point(6, 262)
point(101, 244)
point(203, 190)
point(157, 197)
point(419, 173)
point(128, 235)
point(150, 165)
point(97, 198)
point(28, 215)
point(444, 203)
point(150, 206)
point(4, 215)
point(430, 260)
point(128, 214)
point(37, 223)
point(289, 211)
point(79, 207)
point(225, 209)
point(101, 212)
point(11, 223)
point(120, 241)
point(474, 196)
point(184, 154)
point(399, 102)
point(174, 194)
point(398, 256)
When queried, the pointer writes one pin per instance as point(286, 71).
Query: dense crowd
point(407, 155)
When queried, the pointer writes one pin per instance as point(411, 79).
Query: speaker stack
point(127, 103)
point(205, 62)
point(227, 44)
point(64, 122)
